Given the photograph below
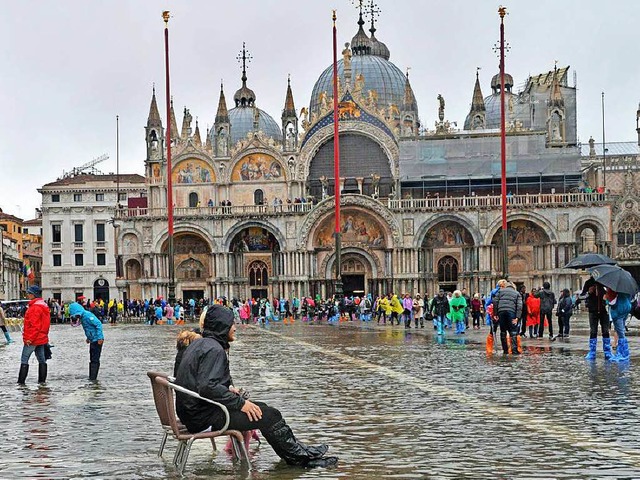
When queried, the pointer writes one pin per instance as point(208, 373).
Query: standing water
point(390, 403)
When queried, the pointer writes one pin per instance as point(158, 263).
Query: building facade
point(10, 269)
point(254, 199)
point(79, 247)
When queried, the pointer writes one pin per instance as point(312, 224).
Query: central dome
point(371, 60)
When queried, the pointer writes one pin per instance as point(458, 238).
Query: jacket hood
point(75, 309)
point(217, 323)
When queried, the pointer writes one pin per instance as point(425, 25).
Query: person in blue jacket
point(95, 338)
point(619, 309)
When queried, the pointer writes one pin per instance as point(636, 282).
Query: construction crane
point(88, 168)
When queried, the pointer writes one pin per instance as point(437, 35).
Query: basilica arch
point(589, 236)
point(254, 258)
point(447, 253)
point(192, 259)
point(377, 212)
point(361, 270)
point(530, 249)
point(183, 229)
point(257, 165)
point(320, 137)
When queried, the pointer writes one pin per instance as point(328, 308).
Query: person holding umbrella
point(593, 295)
point(619, 309)
point(620, 287)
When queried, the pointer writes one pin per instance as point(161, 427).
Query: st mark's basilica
point(254, 204)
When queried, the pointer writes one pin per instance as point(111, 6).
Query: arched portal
point(258, 273)
point(448, 257)
point(101, 290)
point(448, 269)
point(527, 247)
point(255, 259)
point(360, 270)
point(354, 272)
point(192, 260)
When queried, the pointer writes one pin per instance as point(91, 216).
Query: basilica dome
point(242, 120)
point(371, 60)
point(492, 102)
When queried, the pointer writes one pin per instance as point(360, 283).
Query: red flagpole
point(172, 286)
point(336, 161)
point(503, 149)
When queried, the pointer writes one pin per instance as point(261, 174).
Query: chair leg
point(236, 447)
point(213, 444)
point(177, 455)
point(163, 443)
point(240, 451)
point(185, 456)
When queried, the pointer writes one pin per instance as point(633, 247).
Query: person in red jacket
point(35, 335)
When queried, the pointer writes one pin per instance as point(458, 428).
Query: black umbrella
point(615, 278)
point(587, 260)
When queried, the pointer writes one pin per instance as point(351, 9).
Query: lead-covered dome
point(371, 60)
point(492, 102)
point(242, 120)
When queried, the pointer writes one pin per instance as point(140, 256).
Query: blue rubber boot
point(593, 344)
point(440, 328)
point(606, 347)
point(622, 353)
point(462, 327)
point(8, 337)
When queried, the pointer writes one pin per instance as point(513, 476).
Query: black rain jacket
point(205, 369)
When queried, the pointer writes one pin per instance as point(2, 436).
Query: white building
point(78, 234)
point(10, 265)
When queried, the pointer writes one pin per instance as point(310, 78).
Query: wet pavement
point(391, 403)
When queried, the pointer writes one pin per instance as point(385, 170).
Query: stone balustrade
point(527, 201)
point(218, 211)
point(538, 200)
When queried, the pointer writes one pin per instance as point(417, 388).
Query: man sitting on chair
point(205, 369)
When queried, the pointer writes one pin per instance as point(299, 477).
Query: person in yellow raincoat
point(382, 309)
point(396, 308)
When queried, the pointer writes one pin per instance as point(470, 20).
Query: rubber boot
point(285, 444)
point(440, 327)
point(593, 344)
point(606, 347)
point(415, 322)
point(463, 327)
point(24, 371)
point(94, 367)
point(42, 372)
point(622, 353)
point(8, 337)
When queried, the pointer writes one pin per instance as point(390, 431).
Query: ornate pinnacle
point(244, 58)
point(373, 12)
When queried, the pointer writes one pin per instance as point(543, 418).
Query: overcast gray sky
point(68, 68)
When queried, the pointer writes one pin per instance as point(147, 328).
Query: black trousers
point(240, 421)
point(95, 350)
point(596, 318)
point(545, 314)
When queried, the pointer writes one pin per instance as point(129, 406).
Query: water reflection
point(390, 403)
